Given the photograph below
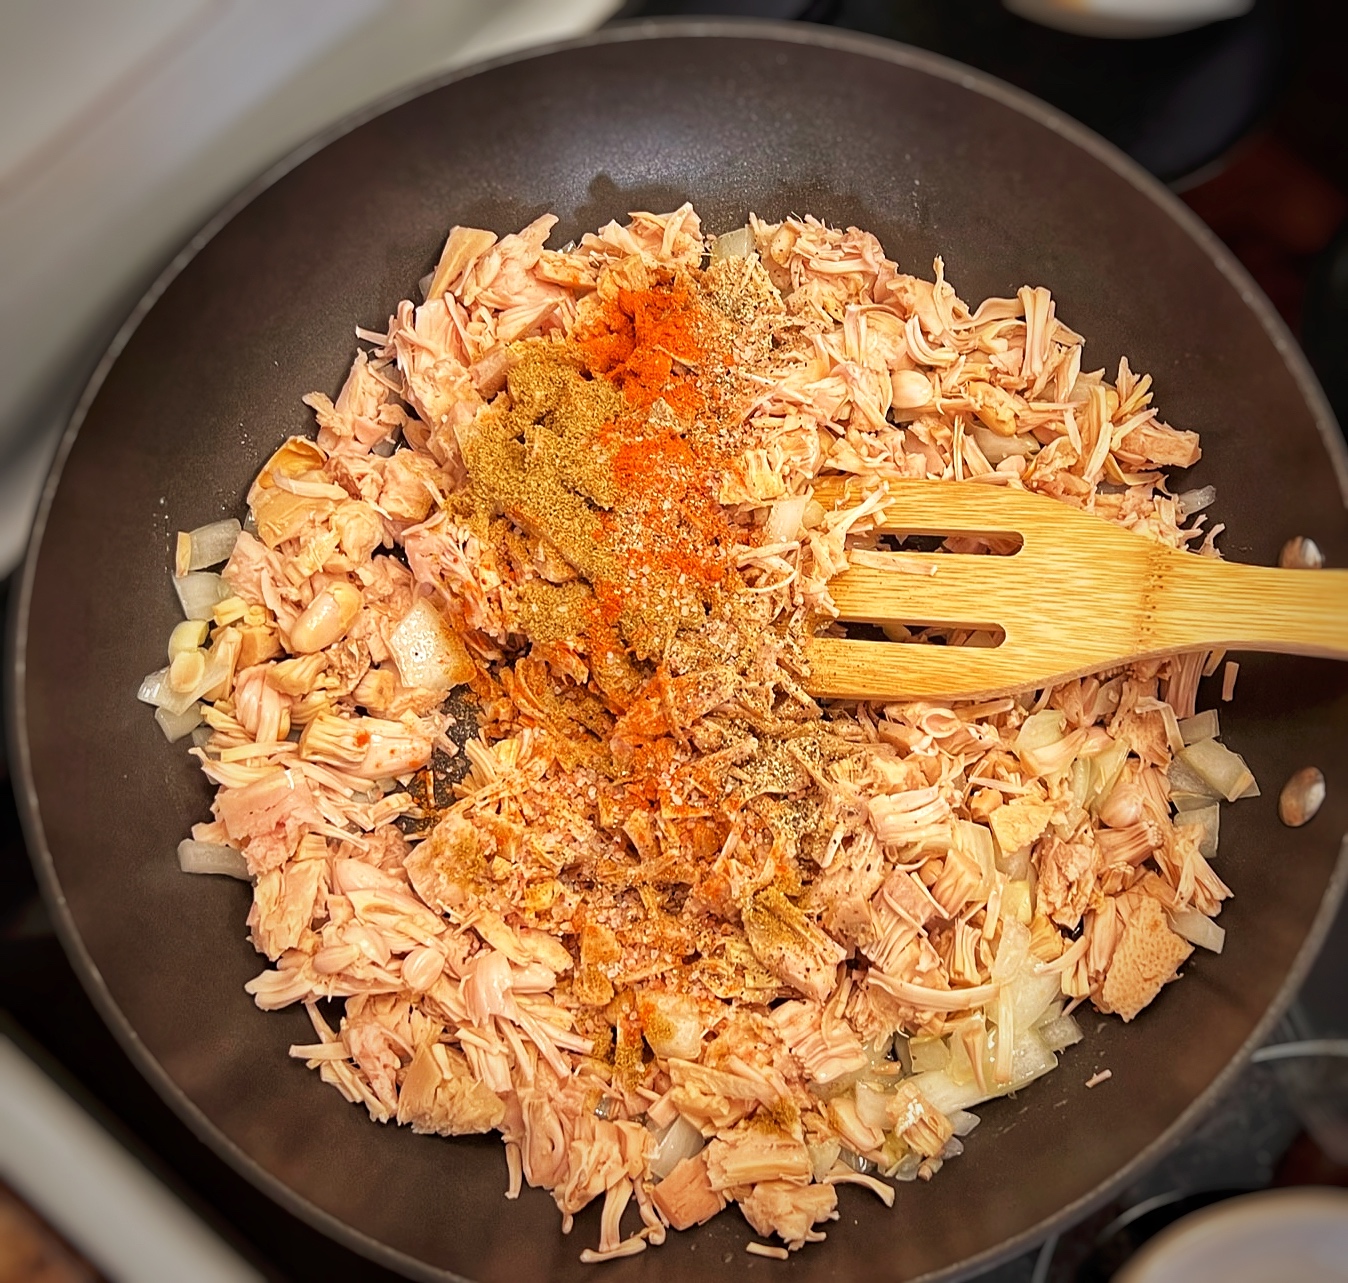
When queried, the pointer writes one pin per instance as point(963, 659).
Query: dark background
point(1248, 121)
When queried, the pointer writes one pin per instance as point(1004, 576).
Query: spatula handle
point(1208, 602)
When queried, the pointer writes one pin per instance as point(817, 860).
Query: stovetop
point(1249, 118)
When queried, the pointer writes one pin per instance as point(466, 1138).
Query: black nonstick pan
point(207, 377)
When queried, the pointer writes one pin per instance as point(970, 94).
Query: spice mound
point(504, 687)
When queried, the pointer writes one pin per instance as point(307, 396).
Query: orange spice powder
point(637, 338)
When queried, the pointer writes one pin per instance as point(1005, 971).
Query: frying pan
point(206, 379)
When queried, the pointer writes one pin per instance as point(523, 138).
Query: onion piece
point(1039, 730)
point(1201, 726)
point(1197, 928)
point(678, 1141)
point(907, 1168)
point(1081, 777)
point(1224, 771)
point(199, 593)
point(1030, 1059)
point(1207, 820)
point(1183, 801)
point(1192, 501)
point(212, 857)
point(1060, 1033)
point(785, 518)
point(156, 690)
point(1187, 781)
point(944, 1093)
point(963, 1122)
point(190, 634)
point(1106, 769)
point(427, 651)
point(997, 448)
point(672, 1024)
point(1250, 790)
point(928, 1054)
point(152, 687)
point(213, 543)
point(822, 1156)
point(873, 1106)
point(176, 725)
point(737, 244)
point(1017, 900)
point(1032, 993)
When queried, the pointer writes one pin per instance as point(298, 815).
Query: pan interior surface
point(854, 132)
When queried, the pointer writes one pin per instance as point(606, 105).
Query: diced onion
point(1202, 726)
point(944, 1093)
point(873, 1106)
point(1032, 993)
point(1039, 730)
point(200, 592)
point(1106, 768)
point(1207, 819)
point(190, 634)
point(1192, 501)
point(427, 651)
point(1060, 1033)
point(155, 688)
point(1083, 773)
point(1030, 1059)
point(928, 1054)
point(1013, 953)
point(1017, 901)
point(1183, 801)
point(1015, 865)
point(783, 524)
point(737, 244)
point(907, 1168)
point(672, 1025)
point(1184, 780)
point(176, 725)
point(678, 1141)
point(1197, 928)
point(1224, 771)
point(823, 1156)
point(213, 544)
point(1051, 1012)
point(996, 448)
point(963, 1122)
point(212, 857)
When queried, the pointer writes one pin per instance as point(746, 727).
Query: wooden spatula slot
point(986, 635)
point(994, 543)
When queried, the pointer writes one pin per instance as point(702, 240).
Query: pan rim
point(883, 50)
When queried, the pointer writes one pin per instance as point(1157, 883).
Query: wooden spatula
point(1080, 594)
